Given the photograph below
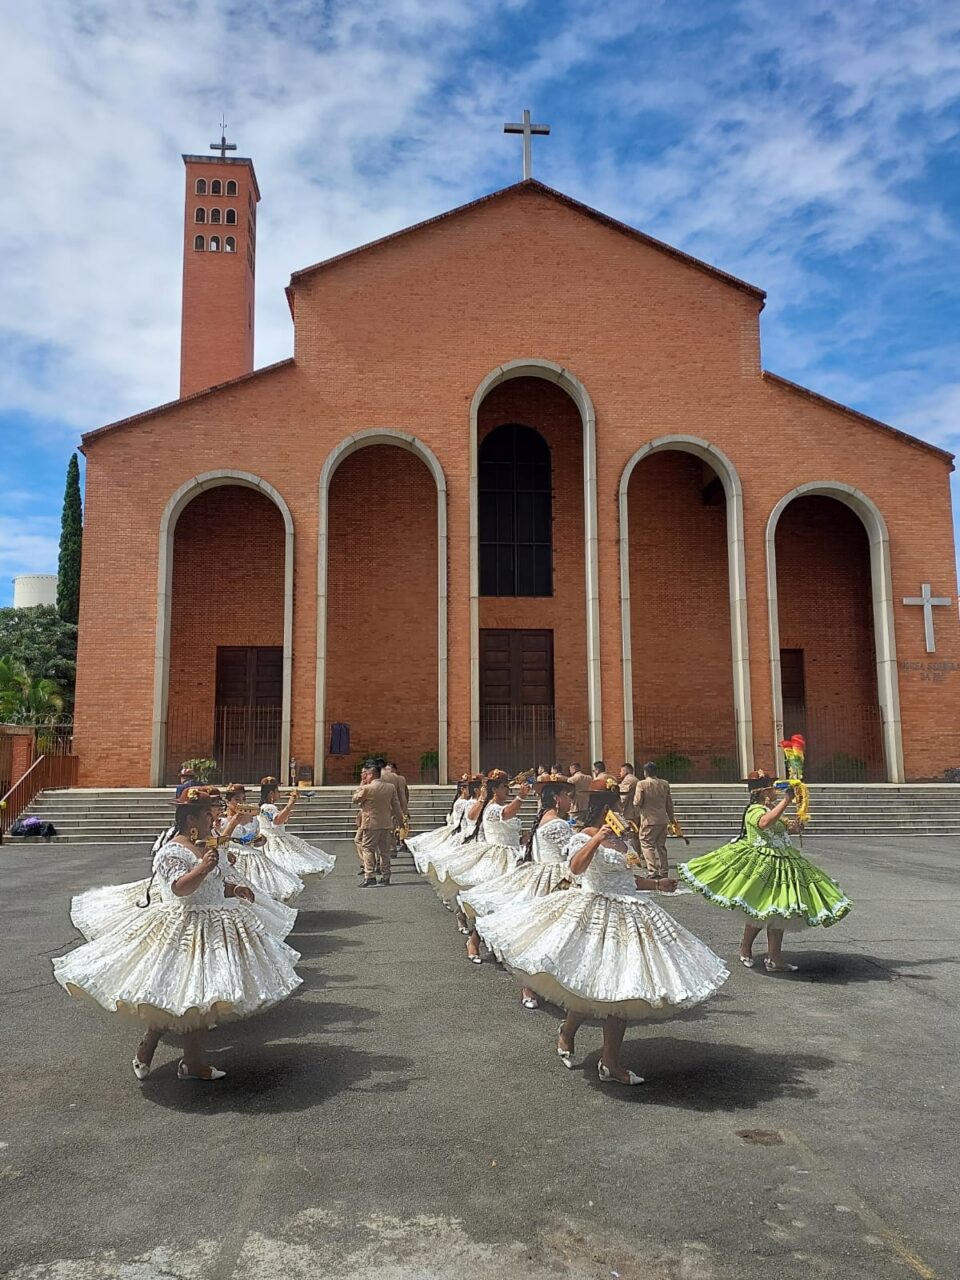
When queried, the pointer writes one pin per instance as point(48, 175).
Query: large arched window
point(231, 217)
point(200, 215)
point(216, 187)
point(231, 187)
point(214, 215)
point(201, 186)
point(198, 242)
point(515, 513)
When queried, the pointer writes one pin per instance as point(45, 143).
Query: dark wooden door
point(248, 711)
point(517, 720)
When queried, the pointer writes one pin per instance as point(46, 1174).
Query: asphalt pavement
point(402, 1117)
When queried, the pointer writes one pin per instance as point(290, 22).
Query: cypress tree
point(71, 547)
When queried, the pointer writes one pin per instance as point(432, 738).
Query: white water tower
point(30, 589)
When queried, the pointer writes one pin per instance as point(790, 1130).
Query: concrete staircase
point(135, 816)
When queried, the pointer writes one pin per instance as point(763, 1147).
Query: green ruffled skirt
point(779, 888)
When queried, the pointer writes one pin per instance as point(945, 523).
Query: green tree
point(42, 643)
point(71, 546)
point(24, 699)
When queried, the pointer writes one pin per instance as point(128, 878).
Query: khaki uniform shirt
point(581, 788)
point(399, 781)
point(628, 786)
point(653, 802)
point(379, 806)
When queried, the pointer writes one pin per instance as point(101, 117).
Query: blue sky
point(811, 148)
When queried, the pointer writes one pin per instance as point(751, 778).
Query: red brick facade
point(398, 337)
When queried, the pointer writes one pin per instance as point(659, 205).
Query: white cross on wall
point(928, 600)
point(528, 130)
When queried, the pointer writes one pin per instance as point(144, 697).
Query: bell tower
point(219, 268)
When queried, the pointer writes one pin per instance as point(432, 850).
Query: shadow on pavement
point(699, 1076)
point(840, 968)
point(275, 1077)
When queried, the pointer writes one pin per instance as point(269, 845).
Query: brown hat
point(603, 784)
point(555, 780)
point(199, 797)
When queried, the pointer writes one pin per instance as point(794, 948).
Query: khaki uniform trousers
point(653, 846)
point(376, 848)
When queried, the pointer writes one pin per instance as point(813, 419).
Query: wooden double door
point(249, 708)
point(517, 714)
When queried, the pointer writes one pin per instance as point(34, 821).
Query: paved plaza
point(402, 1117)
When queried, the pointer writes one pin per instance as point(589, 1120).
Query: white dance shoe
point(607, 1076)
point(184, 1074)
point(565, 1055)
point(778, 968)
point(141, 1069)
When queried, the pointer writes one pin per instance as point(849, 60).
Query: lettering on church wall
point(929, 672)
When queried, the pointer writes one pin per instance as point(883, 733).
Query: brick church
point(523, 492)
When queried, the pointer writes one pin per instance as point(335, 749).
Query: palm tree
point(24, 700)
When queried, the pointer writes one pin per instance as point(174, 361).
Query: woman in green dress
point(765, 878)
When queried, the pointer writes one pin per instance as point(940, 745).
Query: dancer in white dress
point(248, 851)
point(200, 958)
point(284, 848)
point(432, 862)
point(543, 870)
point(604, 950)
point(492, 850)
point(422, 844)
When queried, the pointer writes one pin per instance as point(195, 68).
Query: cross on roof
point(223, 146)
point(927, 600)
point(528, 130)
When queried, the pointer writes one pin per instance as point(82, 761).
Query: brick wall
point(382, 608)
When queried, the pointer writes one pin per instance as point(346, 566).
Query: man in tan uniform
point(581, 785)
point(379, 817)
point(628, 785)
point(390, 773)
point(653, 805)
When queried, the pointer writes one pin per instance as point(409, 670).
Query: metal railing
point(521, 737)
point(686, 746)
point(844, 743)
point(244, 742)
point(58, 769)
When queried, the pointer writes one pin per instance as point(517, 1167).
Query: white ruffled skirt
point(428, 840)
point(263, 874)
point(114, 906)
point(518, 887)
point(472, 864)
point(431, 862)
point(602, 956)
point(298, 857)
point(182, 968)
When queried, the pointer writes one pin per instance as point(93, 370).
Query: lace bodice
point(244, 832)
point(172, 862)
point(550, 841)
point(500, 830)
point(265, 818)
point(775, 837)
point(609, 872)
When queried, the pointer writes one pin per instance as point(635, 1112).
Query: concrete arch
point(180, 499)
point(351, 444)
point(736, 577)
point(534, 367)
point(884, 629)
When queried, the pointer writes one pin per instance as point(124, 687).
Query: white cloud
point(28, 544)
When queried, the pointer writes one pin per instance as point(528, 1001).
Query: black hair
point(459, 793)
point(491, 787)
point(628, 766)
point(267, 789)
point(598, 802)
point(548, 801)
point(600, 766)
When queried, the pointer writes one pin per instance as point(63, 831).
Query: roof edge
point(534, 185)
point(865, 418)
point(169, 405)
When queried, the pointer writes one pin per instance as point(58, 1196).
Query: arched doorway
point(682, 679)
point(828, 631)
point(532, 642)
point(702, 504)
point(381, 666)
point(224, 620)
